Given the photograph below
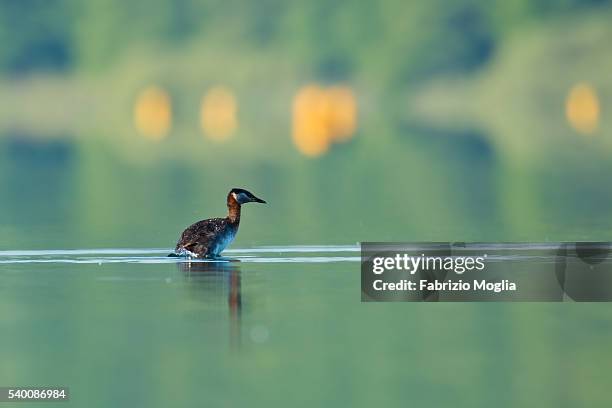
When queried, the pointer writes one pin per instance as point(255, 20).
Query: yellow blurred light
point(322, 116)
point(218, 113)
point(153, 113)
point(343, 116)
point(582, 108)
point(310, 133)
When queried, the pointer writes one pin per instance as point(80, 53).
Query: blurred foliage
point(37, 35)
point(459, 104)
point(81, 66)
point(337, 39)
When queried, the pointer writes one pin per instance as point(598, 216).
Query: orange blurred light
point(310, 133)
point(153, 113)
point(322, 116)
point(218, 113)
point(582, 108)
point(343, 117)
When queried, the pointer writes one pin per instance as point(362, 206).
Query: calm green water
point(285, 327)
point(282, 327)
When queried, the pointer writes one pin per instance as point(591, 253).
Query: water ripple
point(272, 254)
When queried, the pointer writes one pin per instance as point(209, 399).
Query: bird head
point(243, 196)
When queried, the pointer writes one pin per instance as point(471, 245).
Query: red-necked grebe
point(207, 238)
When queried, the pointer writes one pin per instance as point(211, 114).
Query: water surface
point(282, 324)
point(279, 326)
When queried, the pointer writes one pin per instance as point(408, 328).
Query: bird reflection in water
point(211, 277)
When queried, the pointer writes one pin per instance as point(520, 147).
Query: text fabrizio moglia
point(456, 264)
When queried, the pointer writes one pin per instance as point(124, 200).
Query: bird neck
point(233, 210)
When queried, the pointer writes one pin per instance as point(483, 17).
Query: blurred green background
point(123, 122)
point(461, 120)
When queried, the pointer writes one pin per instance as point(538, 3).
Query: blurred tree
point(547, 7)
point(459, 39)
point(263, 20)
point(391, 42)
point(101, 30)
point(35, 35)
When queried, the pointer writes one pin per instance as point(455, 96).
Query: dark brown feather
point(201, 237)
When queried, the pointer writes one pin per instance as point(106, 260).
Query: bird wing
point(201, 233)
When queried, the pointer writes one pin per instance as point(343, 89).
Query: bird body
point(208, 238)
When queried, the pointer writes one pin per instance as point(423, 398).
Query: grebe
point(208, 238)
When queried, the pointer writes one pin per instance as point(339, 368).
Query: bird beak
point(258, 200)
